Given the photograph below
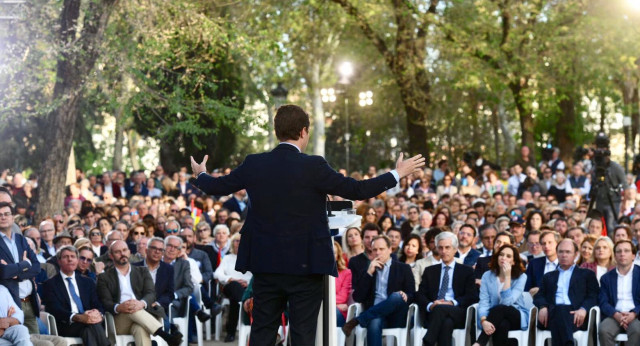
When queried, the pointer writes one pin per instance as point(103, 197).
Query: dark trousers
point(271, 294)
point(91, 334)
point(504, 318)
point(561, 325)
point(234, 291)
point(442, 320)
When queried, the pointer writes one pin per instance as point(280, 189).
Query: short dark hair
point(289, 121)
point(371, 227)
point(633, 247)
point(512, 238)
point(7, 205)
point(383, 237)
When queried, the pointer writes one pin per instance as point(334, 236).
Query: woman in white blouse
point(234, 284)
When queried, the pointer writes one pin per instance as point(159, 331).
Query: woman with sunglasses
point(85, 263)
point(137, 231)
point(203, 233)
point(96, 244)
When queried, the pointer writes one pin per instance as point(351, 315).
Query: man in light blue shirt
point(12, 317)
point(385, 290)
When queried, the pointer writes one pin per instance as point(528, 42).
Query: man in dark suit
point(286, 242)
point(466, 254)
point(159, 270)
point(237, 203)
point(565, 296)
point(182, 284)
point(445, 293)
point(135, 307)
point(619, 298)
point(18, 267)
point(538, 267)
point(504, 237)
point(71, 298)
point(385, 290)
point(359, 264)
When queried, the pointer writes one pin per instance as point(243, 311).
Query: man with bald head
point(128, 292)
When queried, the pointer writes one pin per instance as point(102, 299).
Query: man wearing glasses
point(183, 287)
point(47, 232)
point(172, 228)
point(159, 269)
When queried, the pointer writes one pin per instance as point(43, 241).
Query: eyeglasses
point(172, 230)
point(203, 230)
point(533, 244)
point(582, 211)
point(7, 214)
point(374, 214)
point(169, 246)
point(138, 233)
point(93, 234)
point(157, 249)
point(85, 259)
point(175, 210)
point(46, 230)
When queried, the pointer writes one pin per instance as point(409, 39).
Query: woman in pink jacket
point(343, 285)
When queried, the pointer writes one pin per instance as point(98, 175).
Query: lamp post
point(279, 95)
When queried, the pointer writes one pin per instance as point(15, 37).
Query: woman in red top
point(343, 285)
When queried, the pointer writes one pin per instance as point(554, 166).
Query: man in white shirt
point(128, 292)
point(620, 297)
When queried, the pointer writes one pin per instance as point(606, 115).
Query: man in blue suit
point(619, 297)
point(466, 254)
point(538, 267)
point(385, 290)
point(18, 267)
point(159, 270)
point(72, 299)
point(286, 242)
point(565, 296)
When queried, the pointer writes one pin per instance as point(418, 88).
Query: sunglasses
point(374, 214)
point(175, 210)
point(85, 259)
point(138, 233)
point(203, 230)
point(94, 234)
point(172, 231)
point(153, 248)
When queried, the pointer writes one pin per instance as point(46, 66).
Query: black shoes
point(230, 338)
point(216, 309)
point(203, 316)
point(348, 327)
point(173, 339)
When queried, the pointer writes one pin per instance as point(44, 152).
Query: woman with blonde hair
point(603, 257)
point(343, 285)
point(352, 242)
point(203, 233)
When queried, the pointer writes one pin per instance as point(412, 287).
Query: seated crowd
point(141, 247)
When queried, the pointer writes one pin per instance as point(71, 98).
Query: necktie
point(445, 283)
point(75, 296)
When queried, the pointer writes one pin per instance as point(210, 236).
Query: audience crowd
point(144, 247)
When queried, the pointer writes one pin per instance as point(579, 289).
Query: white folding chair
point(182, 322)
point(581, 337)
point(244, 330)
point(218, 322)
point(50, 322)
point(201, 326)
point(461, 337)
point(521, 335)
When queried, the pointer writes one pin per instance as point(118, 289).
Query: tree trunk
point(495, 124)
point(119, 139)
point(524, 111)
point(132, 143)
point(74, 63)
point(318, 111)
point(565, 127)
point(507, 137)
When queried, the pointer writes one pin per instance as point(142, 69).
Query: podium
point(341, 217)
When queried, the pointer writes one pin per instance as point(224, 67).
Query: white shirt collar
point(65, 276)
point(293, 145)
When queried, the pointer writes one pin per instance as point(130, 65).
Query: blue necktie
point(445, 283)
point(75, 296)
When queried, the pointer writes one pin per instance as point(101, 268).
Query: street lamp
point(279, 95)
point(366, 98)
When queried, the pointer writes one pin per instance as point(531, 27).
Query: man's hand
point(243, 283)
point(3, 262)
point(11, 311)
point(94, 316)
point(342, 307)
point(4, 323)
point(543, 316)
point(578, 316)
point(403, 295)
point(405, 167)
point(199, 168)
point(375, 264)
point(99, 267)
point(248, 305)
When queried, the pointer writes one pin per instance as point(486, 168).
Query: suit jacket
point(204, 263)
point(232, 205)
point(400, 279)
point(164, 283)
point(57, 302)
point(182, 279)
point(211, 253)
point(20, 270)
point(482, 265)
point(583, 290)
point(490, 297)
point(535, 272)
point(109, 289)
point(287, 228)
point(358, 265)
point(608, 296)
point(463, 284)
point(472, 257)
